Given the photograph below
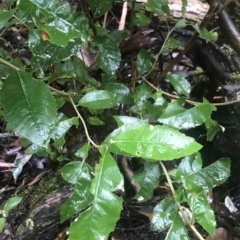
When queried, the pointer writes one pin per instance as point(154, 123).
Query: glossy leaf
point(144, 62)
point(180, 84)
point(179, 117)
point(46, 53)
point(81, 197)
point(5, 16)
point(121, 120)
point(210, 176)
point(177, 229)
point(11, 203)
point(83, 151)
point(120, 91)
point(162, 215)
point(29, 107)
point(104, 205)
point(109, 54)
point(148, 179)
point(155, 143)
point(99, 99)
point(54, 18)
point(203, 214)
point(189, 165)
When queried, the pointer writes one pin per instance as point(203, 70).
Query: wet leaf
point(54, 18)
point(144, 62)
point(99, 99)
point(179, 117)
point(154, 142)
point(29, 107)
point(105, 203)
point(79, 173)
point(159, 6)
point(177, 229)
point(162, 215)
point(148, 179)
point(180, 84)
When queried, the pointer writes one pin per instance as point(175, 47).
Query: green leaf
point(2, 223)
point(203, 214)
point(189, 165)
point(120, 91)
point(83, 151)
point(171, 45)
point(181, 23)
point(59, 130)
point(54, 18)
point(140, 19)
point(5, 17)
point(105, 203)
point(16, 171)
point(46, 53)
point(162, 214)
point(99, 99)
point(180, 84)
point(209, 36)
point(29, 107)
point(11, 203)
point(184, 6)
point(208, 177)
point(98, 8)
point(121, 120)
point(212, 129)
point(95, 121)
point(148, 179)
point(72, 171)
point(144, 61)
point(155, 142)
point(81, 197)
point(159, 6)
point(177, 229)
point(177, 116)
point(109, 54)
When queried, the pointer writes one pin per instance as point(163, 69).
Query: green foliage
point(10, 204)
point(30, 101)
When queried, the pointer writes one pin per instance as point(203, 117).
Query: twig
point(213, 5)
point(122, 22)
point(84, 125)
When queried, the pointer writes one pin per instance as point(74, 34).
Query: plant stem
point(178, 204)
point(9, 64)
point(84, 125)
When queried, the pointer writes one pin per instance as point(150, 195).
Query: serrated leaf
point(203, 214)
point(177, 116)
point(180, 84)
point(99, 99)
point(144, 62)
point(109, 54)
point(105, 203)
point(11, 203)
point(148, 179)
point(159, 6)
point(208, 177)
point(53, 17)
point(177, 229)
point(81, 197)
point(155, 143)
point(162, 215)
point(29, 107)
